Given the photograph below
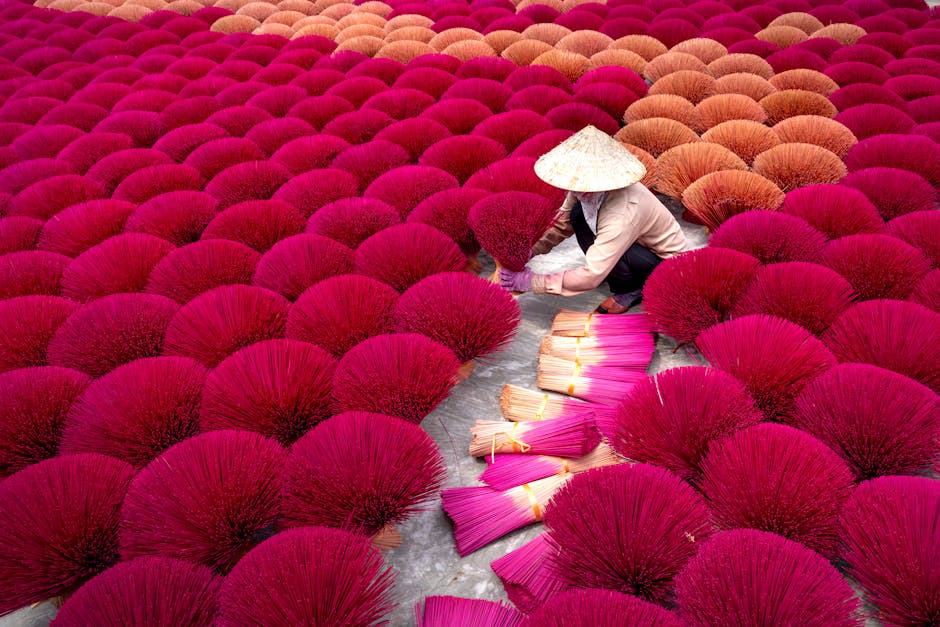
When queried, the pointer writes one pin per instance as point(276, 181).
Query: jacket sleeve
point(560, 231)
point(616, 232)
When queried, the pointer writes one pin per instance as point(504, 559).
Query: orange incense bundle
point(573, 436)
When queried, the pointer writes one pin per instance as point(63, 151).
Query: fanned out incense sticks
point(598, 384)
point(519, 404)
point(447, 611)
point(527, 573)
point(580, 324)
point(629, 351)
point(508, 471)
point(564, 437)
point(482, 515)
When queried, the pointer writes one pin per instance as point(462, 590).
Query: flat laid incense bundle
point(527, 573)
point(572, 436)
point(580, 324)
point(598, 384)
point(508, 471)
point(520, 405)
point(482, 514)
point(628, 351)
point(446, 611)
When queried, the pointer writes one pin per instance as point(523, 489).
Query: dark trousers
point(634, 267)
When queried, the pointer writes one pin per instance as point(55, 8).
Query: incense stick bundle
point(598, 384)
point(446, 611)
point(580, 324)
point(482, 514)
point(519, 405)
point(528, 575)
point(572, 436)
point(628, 351)
point(508, 471)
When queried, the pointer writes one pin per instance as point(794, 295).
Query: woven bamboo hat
point(589, 161)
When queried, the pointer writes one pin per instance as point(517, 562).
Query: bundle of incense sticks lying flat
point(527, 574)
point(445, 611)
point(598, 384)
point(520, 405)
point(572, 436)
point(482, 514)
point(628, 351)
point(579, 324)
point(508, 471)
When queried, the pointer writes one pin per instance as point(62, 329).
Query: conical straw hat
point(589, 161)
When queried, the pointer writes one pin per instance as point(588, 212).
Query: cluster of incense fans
point(238, 254)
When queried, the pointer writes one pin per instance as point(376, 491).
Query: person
point(623, 229)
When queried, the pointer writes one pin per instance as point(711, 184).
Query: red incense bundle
point(509, 471)
point(580, 324)
point(446, 611)
point(598, 384)
point(573, 436)
point(628, 351)
point(527, 573)
point(520, 404)
point(482, 515)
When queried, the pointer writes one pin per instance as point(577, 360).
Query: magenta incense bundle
point(598, 384)
point(127, 594)
point(573, 436)
point(519, 405)
point(508, 471)
point(579, 324)
point(592, 608)
point(627, 351)
point(445, 611)
point(482, 514)
point(528, 574)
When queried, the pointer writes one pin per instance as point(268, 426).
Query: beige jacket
point(628, 215)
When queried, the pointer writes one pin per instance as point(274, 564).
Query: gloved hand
point(515, 281)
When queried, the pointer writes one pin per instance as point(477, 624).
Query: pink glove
point(515, 281)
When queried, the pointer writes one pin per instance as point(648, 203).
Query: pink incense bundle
point(145, 591)
point(672, 418)
point(749, 577)
point(444, 611)
point(629, 527)
point(628, 351)
point(360, 471)
point(508, 225)
point(691, 292)
point(482, 515)
point(519, 405)
point(573, 436)
point(776, 478)
point(208, 499)
point(891, 547)
point(309, 576)
point(280, 388)
point(580, 324)
point(508, 471)
point(774, 358)
point(597, 384)
point(527, 573)
point(405, 375)
point(35, 404)
point(592, 608)
point(60, 525)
